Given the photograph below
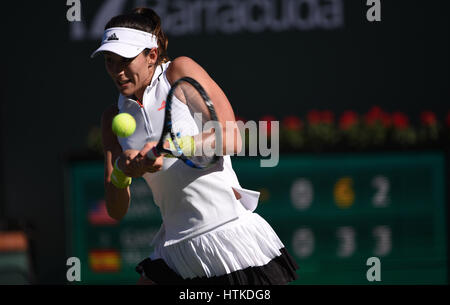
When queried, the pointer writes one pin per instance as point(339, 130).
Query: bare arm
point(184, 66)
point(117, 200)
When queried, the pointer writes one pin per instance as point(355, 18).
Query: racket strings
point(191, 117)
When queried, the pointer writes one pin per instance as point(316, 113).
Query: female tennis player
point(209, 234)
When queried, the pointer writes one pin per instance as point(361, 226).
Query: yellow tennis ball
point(123, 125)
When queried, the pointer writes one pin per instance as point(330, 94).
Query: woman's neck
point(139, 94)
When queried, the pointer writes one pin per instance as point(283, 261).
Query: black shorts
point(279, 271)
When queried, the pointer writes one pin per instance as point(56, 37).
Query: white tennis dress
point(206, 231)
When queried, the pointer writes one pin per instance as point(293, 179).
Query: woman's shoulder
point(181, 61)
point(182, 66)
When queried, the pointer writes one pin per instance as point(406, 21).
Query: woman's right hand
point(135, 163)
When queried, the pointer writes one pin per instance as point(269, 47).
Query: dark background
point(53, 94)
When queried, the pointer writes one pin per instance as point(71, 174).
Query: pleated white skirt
point(248, 241)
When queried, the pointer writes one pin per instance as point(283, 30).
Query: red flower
point(268, 119)
point(400, 120)
point(428, 118)
point(292, 123)
point(327, 117)
point(348, 119)
point(313, 117)
point(376, 114)
point(239, 118)
point(373, 115)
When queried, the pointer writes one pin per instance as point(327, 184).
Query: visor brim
point(120, 49)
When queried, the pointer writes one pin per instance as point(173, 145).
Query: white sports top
point(191, 201)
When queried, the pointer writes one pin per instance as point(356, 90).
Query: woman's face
point(131, 75)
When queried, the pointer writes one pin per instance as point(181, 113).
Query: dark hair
point(144, 19)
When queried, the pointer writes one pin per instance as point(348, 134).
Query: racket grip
point(153, 153)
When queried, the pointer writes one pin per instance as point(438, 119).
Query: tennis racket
point(190, 120)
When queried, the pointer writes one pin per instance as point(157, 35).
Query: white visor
point(126, 42)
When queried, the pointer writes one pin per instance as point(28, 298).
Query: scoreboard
point(333, 212)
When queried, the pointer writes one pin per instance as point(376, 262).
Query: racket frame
point(159, 149)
